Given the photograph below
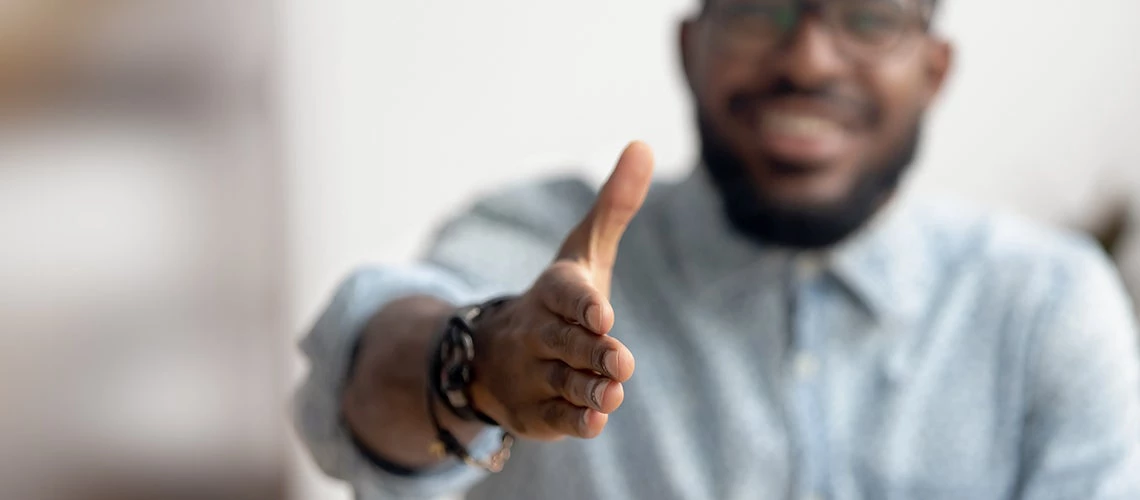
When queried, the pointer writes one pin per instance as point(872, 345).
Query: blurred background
point(183, 182)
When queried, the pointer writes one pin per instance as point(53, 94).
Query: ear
point(686, 43)
point(939, 60)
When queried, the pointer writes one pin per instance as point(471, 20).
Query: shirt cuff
point(329, 346)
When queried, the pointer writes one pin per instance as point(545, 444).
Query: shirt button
point(806, 366)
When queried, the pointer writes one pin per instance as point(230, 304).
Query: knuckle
point(533, 336)
point(532, 341)
point(546, 336)
point(558, 376)
point(556, 336)
point(566, 334)
point(554, 414)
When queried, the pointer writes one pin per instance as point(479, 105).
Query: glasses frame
point(921, 12)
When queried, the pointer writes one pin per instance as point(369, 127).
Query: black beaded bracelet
point(450, 373)
point(451, 368)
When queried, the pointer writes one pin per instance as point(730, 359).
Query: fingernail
point(611, 363)
point(585, 420)
point(598, 393)
point(593, 317)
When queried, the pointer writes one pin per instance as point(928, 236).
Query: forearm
point(384, 403)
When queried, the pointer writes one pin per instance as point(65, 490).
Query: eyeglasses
point(863, 30)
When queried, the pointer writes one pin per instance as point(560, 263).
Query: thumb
point(594, 241)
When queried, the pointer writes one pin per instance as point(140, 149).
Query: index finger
point(565, 289)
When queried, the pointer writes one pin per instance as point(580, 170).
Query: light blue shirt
point(939, 354)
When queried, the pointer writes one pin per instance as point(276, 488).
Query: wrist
point(490, 324)
point(483, 401)
point(451, 375)
point(464, 338)
point(384, 387)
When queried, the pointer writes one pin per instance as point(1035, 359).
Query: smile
point(801, 137)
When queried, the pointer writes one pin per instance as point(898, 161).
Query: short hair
point(931, 3)
point(929, 8)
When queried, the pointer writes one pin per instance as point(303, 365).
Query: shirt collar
point(885, 266)
point(888, 265)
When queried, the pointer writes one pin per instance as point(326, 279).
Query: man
point(797, 332)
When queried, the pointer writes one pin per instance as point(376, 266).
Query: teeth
point(798, 124)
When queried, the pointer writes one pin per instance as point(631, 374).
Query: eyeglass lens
point(863, 27)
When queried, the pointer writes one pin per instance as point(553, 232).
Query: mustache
point(827, 94)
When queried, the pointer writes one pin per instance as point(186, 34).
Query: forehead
point(923, 3)
point(925, 9)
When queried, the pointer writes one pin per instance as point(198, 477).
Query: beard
point(765, 220)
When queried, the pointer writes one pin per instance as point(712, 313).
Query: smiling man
point(796, 331)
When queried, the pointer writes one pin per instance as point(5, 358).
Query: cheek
point(722, 78)
point(719, 75)
point(899, 97)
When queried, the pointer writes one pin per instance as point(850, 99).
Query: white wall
point(1044, 105)
point(399, 111)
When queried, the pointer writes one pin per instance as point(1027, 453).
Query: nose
point(810, 57)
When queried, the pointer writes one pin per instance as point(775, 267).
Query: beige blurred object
point(1124, 232)
point(1112, 216)
point(39, 40)
point(1129, 258)
point(141, 272)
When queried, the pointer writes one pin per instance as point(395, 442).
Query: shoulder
point(1006, 244)
point(1037, 268)
point(548, 207)
point(504, 237)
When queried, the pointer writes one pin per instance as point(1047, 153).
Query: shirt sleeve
point(1082, 435)
point(328, 348)
point(499, 246)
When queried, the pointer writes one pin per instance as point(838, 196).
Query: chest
point(795, 392)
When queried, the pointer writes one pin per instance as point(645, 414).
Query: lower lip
point(814, 149)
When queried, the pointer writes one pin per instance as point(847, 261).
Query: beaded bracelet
point(450, 373)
